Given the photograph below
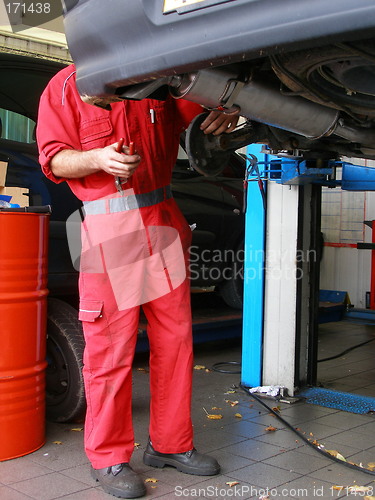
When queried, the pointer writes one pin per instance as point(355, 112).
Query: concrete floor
point(256, 462)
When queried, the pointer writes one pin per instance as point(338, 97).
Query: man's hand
point(72, 164)
point(217, 123)
point(118, 164)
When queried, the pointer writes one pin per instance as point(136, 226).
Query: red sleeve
point(187, 111)
point(58, 120)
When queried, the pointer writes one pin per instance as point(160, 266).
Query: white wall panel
point(344, 267)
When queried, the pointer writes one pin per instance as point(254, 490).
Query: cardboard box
point(3, 172)
point(19, 195)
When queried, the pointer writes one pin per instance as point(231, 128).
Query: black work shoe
point(120, 481)
point(190, 462)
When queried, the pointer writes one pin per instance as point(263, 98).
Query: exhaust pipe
point(262, 101)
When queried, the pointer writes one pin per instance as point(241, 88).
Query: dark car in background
point(301, 71)
point(212, 206)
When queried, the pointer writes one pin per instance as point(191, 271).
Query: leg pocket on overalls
point(98, 349)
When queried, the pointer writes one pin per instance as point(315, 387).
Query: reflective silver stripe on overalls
point(127, 202)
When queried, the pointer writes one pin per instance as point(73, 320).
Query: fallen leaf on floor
point(232, 403)
point(336, 487)
point(315, 443)
point(137, 445)
point(142, 370)
point(57, 442)
point(151, 480)
point(277, 409)
point(214, 417)
point(336, 454)
point(369, 498)
point(371, 465)
point(77, 429)
point(238, 415)
point(232, 483)
point(215, 408)
point(199, 367)
point(230, 392)
point(270, 428)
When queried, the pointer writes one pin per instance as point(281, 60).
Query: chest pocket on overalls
point(159, 124)
point(95, 133)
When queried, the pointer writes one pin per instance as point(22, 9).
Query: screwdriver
point(118, 180)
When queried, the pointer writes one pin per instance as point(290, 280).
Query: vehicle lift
point(283, 245)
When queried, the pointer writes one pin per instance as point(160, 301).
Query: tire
point(231, 290)
point(65, 394)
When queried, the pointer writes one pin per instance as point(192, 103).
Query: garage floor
point(354, 371)
point(261, 456)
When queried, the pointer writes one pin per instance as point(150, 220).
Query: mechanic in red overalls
point(135, 252)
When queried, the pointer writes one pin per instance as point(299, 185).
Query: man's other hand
point(218, 123)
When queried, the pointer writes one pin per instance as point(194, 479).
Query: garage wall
point(343, 266)
point(47, 41)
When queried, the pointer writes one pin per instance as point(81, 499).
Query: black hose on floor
point(217, 367)
point(301, 436)
point(346, 351)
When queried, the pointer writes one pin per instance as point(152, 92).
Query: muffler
point(256, 100)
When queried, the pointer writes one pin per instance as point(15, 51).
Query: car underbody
point(315, 103)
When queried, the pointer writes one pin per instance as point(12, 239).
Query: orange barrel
point(23, 313)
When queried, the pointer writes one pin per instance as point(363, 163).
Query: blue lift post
point(252, 333)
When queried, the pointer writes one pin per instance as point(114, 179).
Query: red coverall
point(65, 122)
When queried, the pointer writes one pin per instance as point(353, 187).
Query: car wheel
point(231, 289)
point(65, 395)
